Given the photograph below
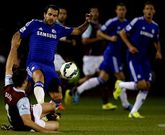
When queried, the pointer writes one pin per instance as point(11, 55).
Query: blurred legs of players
point(119, 85)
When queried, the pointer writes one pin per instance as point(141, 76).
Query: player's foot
point(135, 115)
point(76, 98)
point(67, 97)
point(129, 108)
point(109, 106)
point(117, 90)
point(61, 107)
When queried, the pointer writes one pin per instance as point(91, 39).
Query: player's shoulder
point(155, 23)
point(34, 22)
point(137, 19)
point(111, 20)
point(6, 87)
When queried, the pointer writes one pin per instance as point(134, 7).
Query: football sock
point(89, 84)
point(123, 98)
point(128, 85)
point(39, 92)
point(139, 100)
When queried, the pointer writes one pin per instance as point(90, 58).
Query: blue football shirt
point(43, 40)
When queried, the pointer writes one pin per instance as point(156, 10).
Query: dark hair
point(120, 4)
point(149, 3)
point(51, 6)
point(18, 77)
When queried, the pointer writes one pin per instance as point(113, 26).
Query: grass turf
point(87, 118)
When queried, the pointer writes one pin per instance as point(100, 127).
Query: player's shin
point(89, 84)
point(139, 100)
point(123, 98)
point(39, 92)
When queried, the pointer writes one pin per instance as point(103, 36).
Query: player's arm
point(68, 41)
point(12, 57)
point(106, 37)
point(124, 37)
point(86, 39)
point(80, 29)
point(158, 50)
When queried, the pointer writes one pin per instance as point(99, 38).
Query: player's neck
point(20, 89)
point(121, 19)
point(148, 19)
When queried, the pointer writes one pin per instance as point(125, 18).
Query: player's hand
point(158, 55)
point(133, 49)
point(113, 38)
point(88, 18)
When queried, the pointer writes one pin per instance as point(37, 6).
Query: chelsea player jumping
point(43, 39)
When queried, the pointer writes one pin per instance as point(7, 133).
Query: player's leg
point(55, 92)
point(34, 72)
point(39, 111)
point(123, 95)
point(90, 66)
point(53, 85)
point(142, 85)
point(134, 69)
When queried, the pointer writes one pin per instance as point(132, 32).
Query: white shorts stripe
point(29, 72)
point(132, 71)
point(115, 64)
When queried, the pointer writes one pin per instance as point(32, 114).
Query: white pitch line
point(161, 125)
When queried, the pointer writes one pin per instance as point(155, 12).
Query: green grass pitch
point(87, 118)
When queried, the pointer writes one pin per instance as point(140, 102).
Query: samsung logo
point(147, 34)
point(44, 34)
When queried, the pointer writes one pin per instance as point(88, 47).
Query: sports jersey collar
point(18, 90)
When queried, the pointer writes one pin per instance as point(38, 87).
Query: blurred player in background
point(112, 58)
point(94, 47)
point(65, 44)
point(43, 39)
point(139, 35)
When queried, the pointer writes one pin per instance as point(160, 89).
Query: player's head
point(62, 15)
point(121, 10)
point(51, 14)
point(149, 10)
point(19, 78)
point(94, 11)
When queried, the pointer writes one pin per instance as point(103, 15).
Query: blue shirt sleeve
point(130, 27)
point(107, 26)
point(156, 35)
point(26, 30)
point(23, 106)
point(65, 31)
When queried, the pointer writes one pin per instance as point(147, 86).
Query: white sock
point(123, 98)
point(89, 84)
point(139, 100)
point(39, 94)
point(128, 85)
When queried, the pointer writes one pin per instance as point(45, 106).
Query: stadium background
point(15, 15)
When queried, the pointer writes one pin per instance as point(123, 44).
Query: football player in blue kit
point(112, 56)
point(141, 33)
point(43, 40)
